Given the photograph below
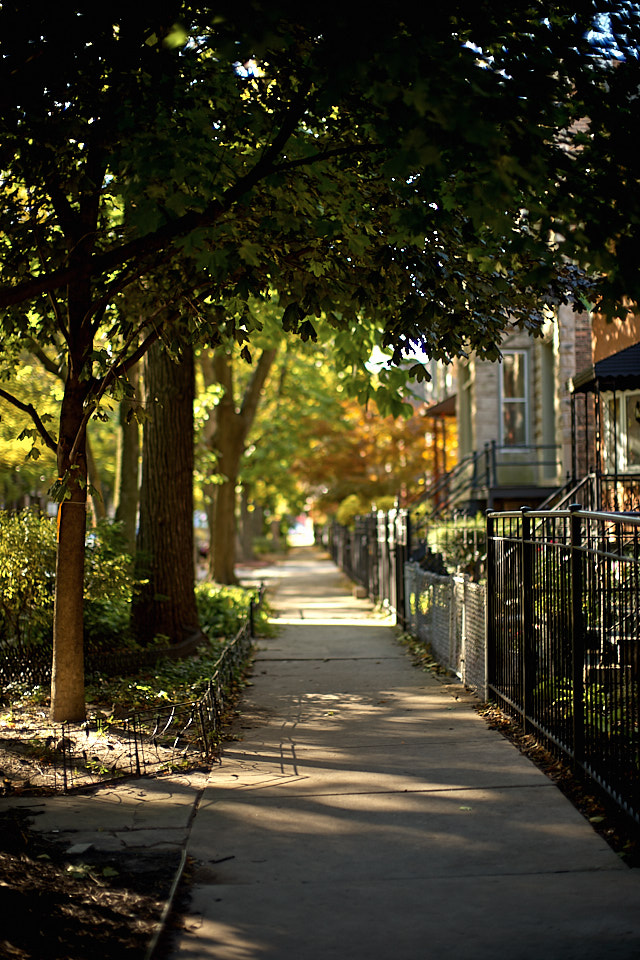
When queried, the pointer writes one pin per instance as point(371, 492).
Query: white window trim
point(524, 401)
point(616, 461)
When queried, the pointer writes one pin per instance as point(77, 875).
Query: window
point(513, 399)
point(633, 430)
point(621, 432)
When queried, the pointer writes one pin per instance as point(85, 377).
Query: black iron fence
point(373, 554)
point(563, 636)
point(562, 639)
point(376, 550)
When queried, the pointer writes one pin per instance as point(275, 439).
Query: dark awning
point(620, 371)
point(446, 408)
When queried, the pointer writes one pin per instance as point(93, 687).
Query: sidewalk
point(364, 813)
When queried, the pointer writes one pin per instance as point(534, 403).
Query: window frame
point(515, 401)
point(617, 461)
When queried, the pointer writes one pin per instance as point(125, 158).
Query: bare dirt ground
point(35, 756)
point(94, 906)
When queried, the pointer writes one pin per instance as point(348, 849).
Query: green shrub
point(27, 580)
point(108, 587)
point(27, 575)
point(358, 505)
point(462, 542)
point(222, 610)
point(351, 507)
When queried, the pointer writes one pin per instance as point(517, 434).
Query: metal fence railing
point(166, 738)
point(373, 554)
point(553, 635)
point(563, 636)
point(598, 491)
point(480, 472)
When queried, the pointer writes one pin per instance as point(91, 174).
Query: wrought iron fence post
point(526, 613)
point(577, 634)
point(490, 638)
point(402, 558)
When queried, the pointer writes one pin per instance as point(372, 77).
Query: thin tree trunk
point(228, 442)
point(96, 496)
point(127, 466)
point(246, 531)
point(166, 602)
point(67, 673)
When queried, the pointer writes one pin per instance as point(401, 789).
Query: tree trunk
point(166, 602)
point(67, 673)
point(96, 496)
point(224, 548)
point(127, 466)
point(246, 532)
point(228, 442)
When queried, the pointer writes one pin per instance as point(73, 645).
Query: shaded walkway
point(365, 813)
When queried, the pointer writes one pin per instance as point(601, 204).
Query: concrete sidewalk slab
point(448, 765)
point(365, 813)
point(145, 813)
point(466, 918)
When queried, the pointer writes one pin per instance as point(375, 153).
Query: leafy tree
point(302, 394)
point(412, 172)
point(233, 419)
point(20, 474)
point(367, 456)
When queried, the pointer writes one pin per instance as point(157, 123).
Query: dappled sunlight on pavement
point(362, 811)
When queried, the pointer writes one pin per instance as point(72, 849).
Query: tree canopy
point(356, 163)
point(415, 180)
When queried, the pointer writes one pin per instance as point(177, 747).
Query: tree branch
point(31, 411)
point(254, 389)
point(49, 365)
point(141, 249)
point(322, 155)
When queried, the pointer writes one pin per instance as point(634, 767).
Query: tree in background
point(25, 478)
point(302, 392)
point(232, 420)
point(128, 460)
point(26, 469)
point(365, 455)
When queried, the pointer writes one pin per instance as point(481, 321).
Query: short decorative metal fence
point(174, 736)
point(563, 636)
point(30, 663)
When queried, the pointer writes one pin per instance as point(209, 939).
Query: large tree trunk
point(127, 466)
point(228, 442)
point(67, 674)
point(166, 602)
